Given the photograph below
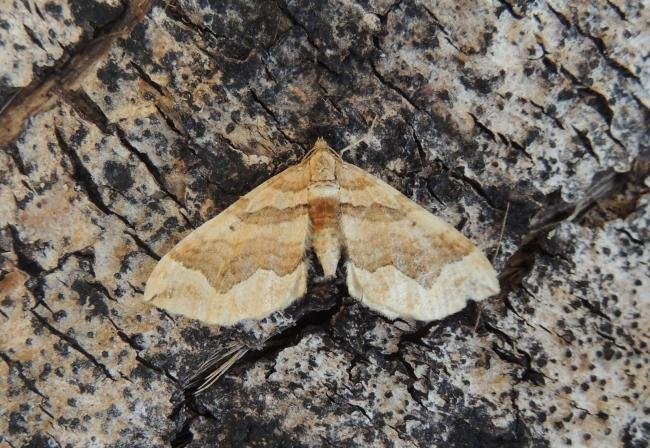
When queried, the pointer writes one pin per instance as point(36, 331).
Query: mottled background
point(125, 124)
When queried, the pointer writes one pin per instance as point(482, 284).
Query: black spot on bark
point(111, 74)
point(565, 95)
point(41, 441)
point(16, 423)
point(91, 296)
point(91, 15)
point(118, 175)
point(192, 126)
point(475, 430)
point(137, 46)
point(481, 85)
point(54, 10)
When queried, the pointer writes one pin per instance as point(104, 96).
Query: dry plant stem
point(494, 260)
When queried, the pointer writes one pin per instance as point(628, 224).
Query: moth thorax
point(322, 166)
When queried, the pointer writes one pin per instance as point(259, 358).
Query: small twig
point(503, 228)
point(11, 98)
point(221, 369)
point(214, 367)
point(494, 260)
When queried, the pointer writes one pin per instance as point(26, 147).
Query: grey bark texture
point(126, 124)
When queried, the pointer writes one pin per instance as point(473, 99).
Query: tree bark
point(126, 125)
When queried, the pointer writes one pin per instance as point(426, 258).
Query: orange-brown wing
point(402, 260)
point(246, 262)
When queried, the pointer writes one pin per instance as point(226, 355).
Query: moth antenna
point(355, 143)
point(494, 259)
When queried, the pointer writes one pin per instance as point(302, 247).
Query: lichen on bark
point(125, 125)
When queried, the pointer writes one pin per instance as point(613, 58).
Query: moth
point(252, 259)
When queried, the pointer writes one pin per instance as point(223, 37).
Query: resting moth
point(251, 259)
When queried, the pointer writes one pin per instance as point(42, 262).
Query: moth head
point(321, 144)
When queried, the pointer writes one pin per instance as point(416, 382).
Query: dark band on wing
point(375, 212)
point(273, 215)
point(421, 260)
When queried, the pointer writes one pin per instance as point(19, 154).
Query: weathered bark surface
point(131, 124)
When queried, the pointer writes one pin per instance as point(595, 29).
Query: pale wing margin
point(402, 260)
point(246, 262)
